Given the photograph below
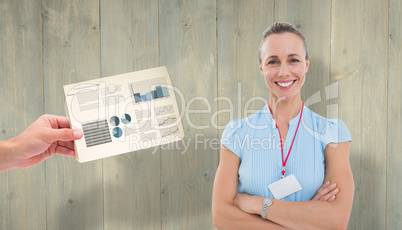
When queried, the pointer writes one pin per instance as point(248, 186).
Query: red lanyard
point(290, 149)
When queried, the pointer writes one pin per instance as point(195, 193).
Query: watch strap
point(265, 204)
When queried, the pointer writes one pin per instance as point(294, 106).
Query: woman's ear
point(307, 64)
point(259, 65)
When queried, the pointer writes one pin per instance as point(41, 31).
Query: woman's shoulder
point(238, 130)
point(323, 122)
point(234, 126)
point(254, 120)
point(330, 130)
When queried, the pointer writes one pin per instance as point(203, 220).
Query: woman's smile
point(283, 65)
point(285, 84)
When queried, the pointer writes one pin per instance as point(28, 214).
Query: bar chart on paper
point(148, 90)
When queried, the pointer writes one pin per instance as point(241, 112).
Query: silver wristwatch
point(265, 204)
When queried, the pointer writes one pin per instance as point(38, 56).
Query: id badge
point(285, 187)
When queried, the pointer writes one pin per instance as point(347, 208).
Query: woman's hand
point(248, 204)
point(226, 213)
point(327, 192)
point(253, 204)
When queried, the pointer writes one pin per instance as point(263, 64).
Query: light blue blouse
point(255, 140)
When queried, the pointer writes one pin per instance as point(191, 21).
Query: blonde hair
point(279, 28)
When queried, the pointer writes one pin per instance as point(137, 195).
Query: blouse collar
point(271, 120)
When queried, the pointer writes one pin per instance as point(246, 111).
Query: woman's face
point(283, 64)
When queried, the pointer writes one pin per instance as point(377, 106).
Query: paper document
point(123, 113)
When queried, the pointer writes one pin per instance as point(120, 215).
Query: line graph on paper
point(166, 120)
point(168, 132)
point(164, 110)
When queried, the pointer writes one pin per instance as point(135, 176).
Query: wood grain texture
point(22, 193)
point(187, 35)
point(359, 53)
point(132, 183)
point(71, 39)
point(208, 47)
point(240, 25)
point(394, 137)
point(312, 18)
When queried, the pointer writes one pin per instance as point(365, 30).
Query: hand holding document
point(123, 113)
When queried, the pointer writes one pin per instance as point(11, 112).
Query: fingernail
point(336, 190)
point(327, 182)
point(77, 134)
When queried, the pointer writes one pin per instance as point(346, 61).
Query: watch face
point(268, 201)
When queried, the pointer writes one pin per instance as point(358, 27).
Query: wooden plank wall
point(71, 53)
point(187, 46)
point(21, 92)
point(210, 50)
point(394, 134)
point(130, 43)
point(240, 83)
point(360, 33)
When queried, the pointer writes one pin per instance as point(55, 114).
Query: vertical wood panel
point(359, 54)
point(312, 18)
point(22, 196)
point(63, 194)
point(71, 54)
point(187, 33)
point(240, 25)
point(394, 161)
point(132, 180)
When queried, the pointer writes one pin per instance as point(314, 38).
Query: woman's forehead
point(283, 44)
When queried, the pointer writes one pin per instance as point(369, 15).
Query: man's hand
point(47, 136)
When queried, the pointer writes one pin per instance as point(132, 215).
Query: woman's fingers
point(330, 196)
point(326, 191)
point(324, 186)
point(321, 191)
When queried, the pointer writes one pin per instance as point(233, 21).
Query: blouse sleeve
point(232, 136)
point(335, 131)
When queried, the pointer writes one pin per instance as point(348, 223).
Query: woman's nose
point(283, 70)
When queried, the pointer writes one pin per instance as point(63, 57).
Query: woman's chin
point(285, 97)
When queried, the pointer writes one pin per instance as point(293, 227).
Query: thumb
point(66, 134)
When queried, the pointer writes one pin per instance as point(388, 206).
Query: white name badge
point(284, 187)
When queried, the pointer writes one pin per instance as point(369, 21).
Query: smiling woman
point(305, 182)
point(282, 63)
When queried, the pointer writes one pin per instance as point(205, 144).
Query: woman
point(283, 140)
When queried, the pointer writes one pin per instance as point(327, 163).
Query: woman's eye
point(272, 62)
point(294, 60)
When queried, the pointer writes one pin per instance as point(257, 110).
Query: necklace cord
point(290, 149)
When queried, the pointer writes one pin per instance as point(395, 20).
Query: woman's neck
point(285, 110)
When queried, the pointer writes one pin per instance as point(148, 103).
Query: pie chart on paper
point(117, 132)
point(126, 119)
point(114, 121)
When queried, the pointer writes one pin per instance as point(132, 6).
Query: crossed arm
point(241, 211)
